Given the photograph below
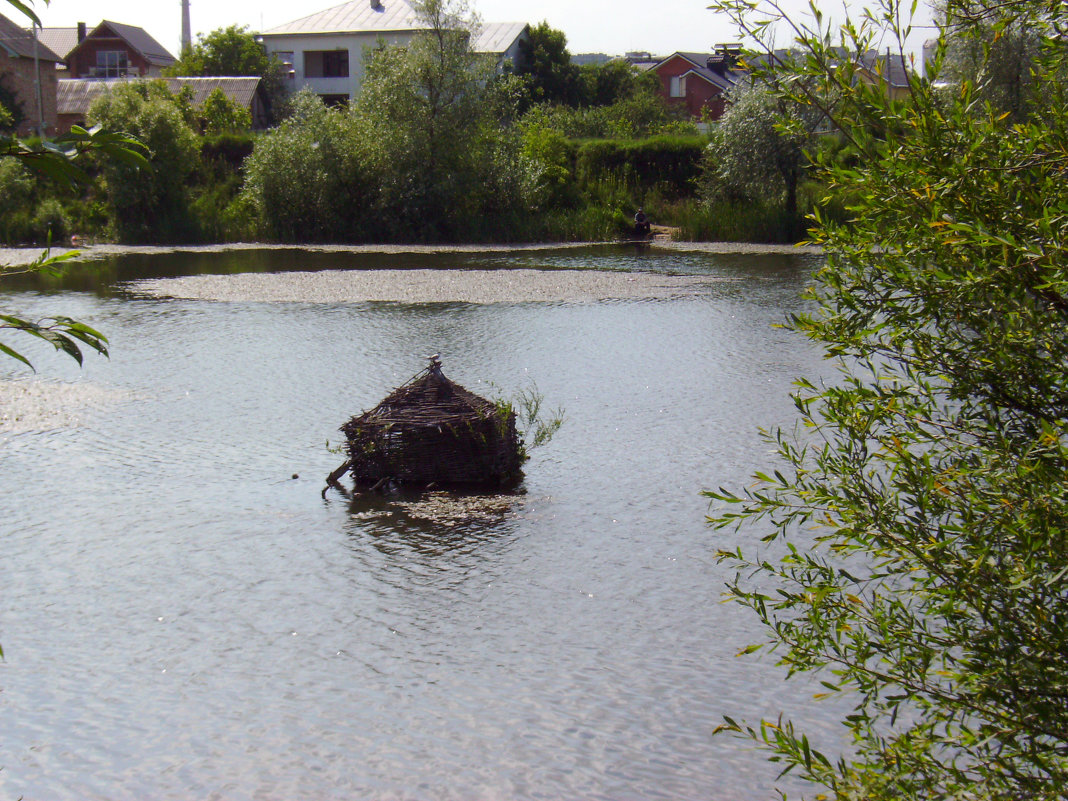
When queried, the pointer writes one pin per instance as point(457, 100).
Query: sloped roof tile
point(497, 37)
point(355, 16)
point(138, 39)
point(75, 95)
point(20, 42)
point(59, 40)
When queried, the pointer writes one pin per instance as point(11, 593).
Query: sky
point(592, 26)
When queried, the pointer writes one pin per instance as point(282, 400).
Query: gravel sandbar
point(426, 286)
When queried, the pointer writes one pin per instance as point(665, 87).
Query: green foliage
point(758, 149)
point(428, 131)
point(229, 149)
point(645, 113)
point(50, 221)
point(994, 55)
point(225, 51)
point(221, 115)
point(63, 333)
point(546, 69)
point(17, 195)
point(546, 160)
point(306, 179)
point(920, 515)
point(731, 221)
point(154, 205)
point(614, 81)
point(534, 426)
point(668, 164)
point(234, 51)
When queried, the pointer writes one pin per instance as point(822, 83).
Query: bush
point(152, 205)
point(305, 178)
point(669, 165)
point(50, 222)
point(17, 190)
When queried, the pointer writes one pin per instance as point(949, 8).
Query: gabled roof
point(19, 43)
point(699, 62)
point(355, 16)
point(137, 39)
point(497, 37)
point(708, 76)
point(59, 40)
point(75, 95)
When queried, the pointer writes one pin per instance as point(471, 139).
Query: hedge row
point(670, 163)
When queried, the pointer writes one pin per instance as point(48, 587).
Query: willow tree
point(921, 515)
point(426, 108)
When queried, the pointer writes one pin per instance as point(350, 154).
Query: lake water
point(181, 618)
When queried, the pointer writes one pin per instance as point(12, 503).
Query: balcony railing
point(104, 73)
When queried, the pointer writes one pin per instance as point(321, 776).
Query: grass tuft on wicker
point(433, 431)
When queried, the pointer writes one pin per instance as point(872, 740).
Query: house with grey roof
point(28, 77)
point(325, 51)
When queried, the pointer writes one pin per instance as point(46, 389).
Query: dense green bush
point(226, 152)
point(668, 164)
point(150, 205)
point(17, 193)
point(305, 179)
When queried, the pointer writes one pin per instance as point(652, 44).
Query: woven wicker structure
point(434, 431)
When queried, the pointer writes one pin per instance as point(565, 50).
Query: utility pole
point(37, 85)
point(187, 28)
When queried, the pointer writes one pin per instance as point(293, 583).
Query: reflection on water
point(181, 618)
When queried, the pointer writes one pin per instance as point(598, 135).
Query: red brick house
point(113, 50)
point(698, 81)
point(24, 64)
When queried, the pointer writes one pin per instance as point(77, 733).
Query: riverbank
point(22, 256)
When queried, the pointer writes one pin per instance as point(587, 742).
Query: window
point(110, 64)
point(326, 64)
point(678, 86)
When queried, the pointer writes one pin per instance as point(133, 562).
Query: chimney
point(187, 28)
point(376, 5)
point(81, 31)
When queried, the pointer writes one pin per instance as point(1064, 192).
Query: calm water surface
point(182, 619)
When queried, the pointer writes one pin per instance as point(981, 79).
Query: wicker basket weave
point(432, 430)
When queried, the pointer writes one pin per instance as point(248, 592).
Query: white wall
point(355, 43)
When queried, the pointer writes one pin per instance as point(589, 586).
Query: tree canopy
point(233, 51)
point(915, 524)
point(546, 68)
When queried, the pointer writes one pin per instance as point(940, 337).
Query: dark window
point(110, 64)
point(336, 64)
point(326, 64)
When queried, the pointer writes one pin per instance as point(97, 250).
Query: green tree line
point(441, 146)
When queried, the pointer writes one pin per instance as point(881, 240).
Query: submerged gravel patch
point(426, 286)
point(37, 405)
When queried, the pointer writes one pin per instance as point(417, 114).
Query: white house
point(324, 51)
